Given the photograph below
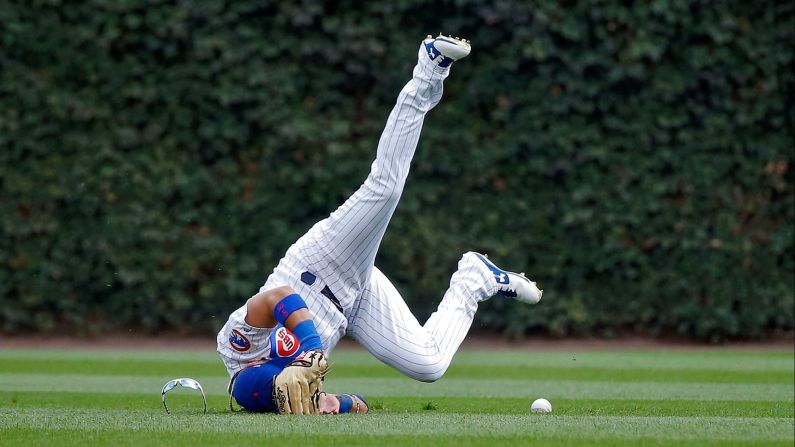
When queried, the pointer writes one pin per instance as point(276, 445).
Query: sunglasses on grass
point(185, 382)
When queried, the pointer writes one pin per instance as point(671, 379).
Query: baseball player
point(326, 285)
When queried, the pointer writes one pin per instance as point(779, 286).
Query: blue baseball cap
point(252, 387)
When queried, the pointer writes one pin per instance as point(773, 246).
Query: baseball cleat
point(444, 50)
point(513, 285)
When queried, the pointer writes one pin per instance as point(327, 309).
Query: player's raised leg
point(383, 323)
point(342, 248)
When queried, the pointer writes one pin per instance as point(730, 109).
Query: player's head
point(252, 387)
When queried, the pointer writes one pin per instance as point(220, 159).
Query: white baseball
point(541, 406)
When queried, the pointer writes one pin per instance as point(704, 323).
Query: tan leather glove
point(299, 384)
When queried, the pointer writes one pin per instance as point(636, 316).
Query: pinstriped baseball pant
point(342, 248)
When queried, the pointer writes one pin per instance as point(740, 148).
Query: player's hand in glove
point(299, 384)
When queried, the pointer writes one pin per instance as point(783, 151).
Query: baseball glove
point(298, 386)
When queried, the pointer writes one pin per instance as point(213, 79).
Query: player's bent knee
point(428, 374)
point(430, 377)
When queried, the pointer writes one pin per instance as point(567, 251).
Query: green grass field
point(627, 398)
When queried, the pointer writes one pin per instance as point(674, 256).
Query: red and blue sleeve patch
point(238, 341)
point(284, 344)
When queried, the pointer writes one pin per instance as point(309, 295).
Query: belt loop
point(310, 278)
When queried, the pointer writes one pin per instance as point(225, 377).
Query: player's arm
point(298, 385)
point(342, 403)
point(283, 305)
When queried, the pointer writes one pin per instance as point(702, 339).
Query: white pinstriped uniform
point(340, 252)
